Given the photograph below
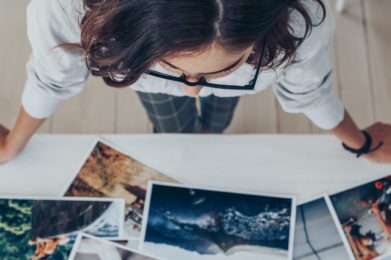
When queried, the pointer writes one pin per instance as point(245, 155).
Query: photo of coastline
point(197, 223)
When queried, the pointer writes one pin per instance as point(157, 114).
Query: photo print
point(363, 217)
point(88, 247)
point(316, 235)
point(47, 228)
point(200, 223)
point(107, 172)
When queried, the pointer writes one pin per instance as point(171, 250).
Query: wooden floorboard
point(131, 117)
point(255, 114)
point(14, 53)
point(292, 123)
point(378, 26)
point(353, 67)
point(92, 111)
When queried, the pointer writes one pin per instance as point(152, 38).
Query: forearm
point(24, 127)
point(349, 133)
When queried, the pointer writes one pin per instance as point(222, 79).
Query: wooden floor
point(361, 54)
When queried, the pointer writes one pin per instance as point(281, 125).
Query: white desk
point(301, 165)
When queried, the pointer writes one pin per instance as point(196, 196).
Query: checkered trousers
point(172, 114)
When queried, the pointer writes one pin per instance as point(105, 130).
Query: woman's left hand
point(380, 132)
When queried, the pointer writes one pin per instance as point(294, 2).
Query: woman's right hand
point(5, 153)
point(13, 141)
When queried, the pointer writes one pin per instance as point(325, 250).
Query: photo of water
point(212, 222)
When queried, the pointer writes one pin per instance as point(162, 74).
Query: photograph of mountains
point(195, 222)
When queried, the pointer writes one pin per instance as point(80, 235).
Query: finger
point(373, 128)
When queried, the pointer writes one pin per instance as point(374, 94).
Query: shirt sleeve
point(53, 74)
point(305, 86)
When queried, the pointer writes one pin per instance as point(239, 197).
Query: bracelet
point(367, 147)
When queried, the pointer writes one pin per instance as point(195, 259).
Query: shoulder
point(51, 23)
point(55, 16)
point(322, 32)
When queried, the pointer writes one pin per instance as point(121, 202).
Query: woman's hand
point(380, 132)
point(5, 154)
point(348, 132)
point(13, 141)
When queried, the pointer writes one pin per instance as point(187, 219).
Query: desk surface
point(305, 166)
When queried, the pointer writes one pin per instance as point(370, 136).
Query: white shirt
point(304, 86)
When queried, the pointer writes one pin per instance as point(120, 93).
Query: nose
point(192, 91)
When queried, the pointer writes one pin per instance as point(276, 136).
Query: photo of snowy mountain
point(201, 223)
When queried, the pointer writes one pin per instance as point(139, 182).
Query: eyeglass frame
point(202, 81)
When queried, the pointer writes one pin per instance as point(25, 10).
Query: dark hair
point(122, 39)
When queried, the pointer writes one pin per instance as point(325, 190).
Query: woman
point(173, 51)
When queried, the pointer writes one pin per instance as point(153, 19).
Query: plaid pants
point(172, 114)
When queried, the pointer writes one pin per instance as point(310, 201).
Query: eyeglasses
point(250, 85)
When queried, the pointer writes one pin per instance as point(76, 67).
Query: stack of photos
point(363, 218)
point(88, 247)
point(316, 235)
point(117, 208)
point(107, 172)
point(199, 223)
point(47, 228)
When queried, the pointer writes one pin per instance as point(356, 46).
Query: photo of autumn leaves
point(107, 172)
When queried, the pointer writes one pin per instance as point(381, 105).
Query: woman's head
point(124, 38)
